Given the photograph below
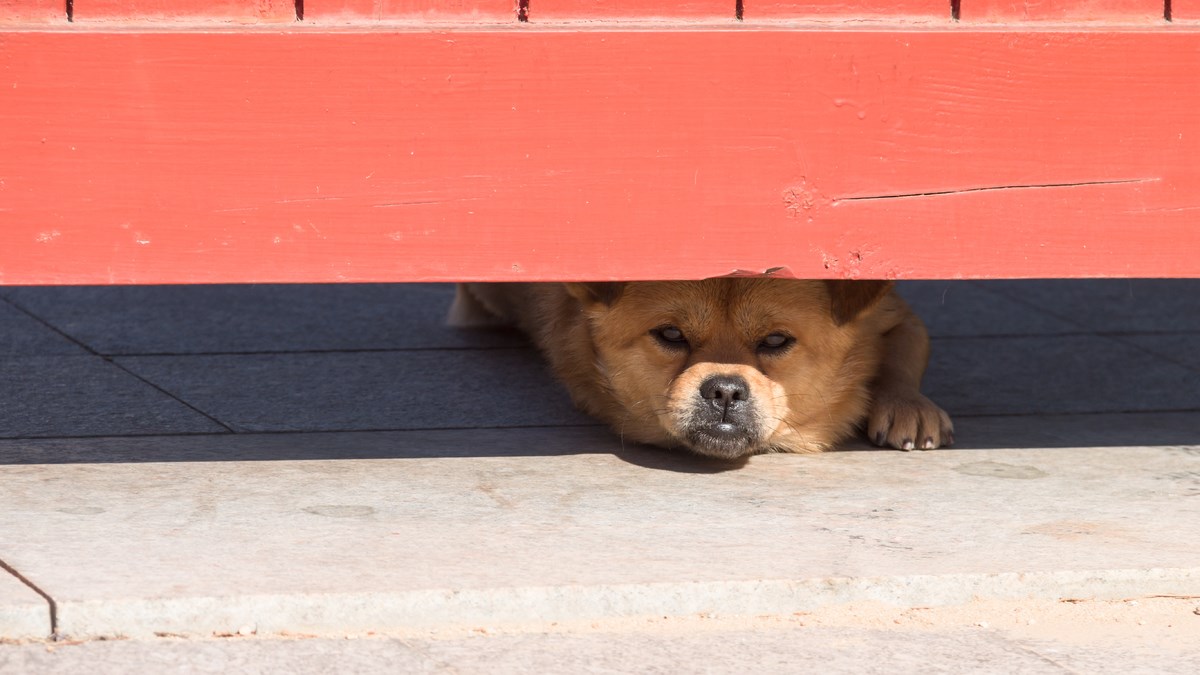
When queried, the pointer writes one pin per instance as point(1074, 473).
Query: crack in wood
point(994, 188)
point(425, 202)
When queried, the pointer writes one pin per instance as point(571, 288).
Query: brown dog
point(733, 366)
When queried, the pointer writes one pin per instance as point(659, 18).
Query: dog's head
point(735, 366)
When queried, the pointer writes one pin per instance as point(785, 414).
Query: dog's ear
point(593, 292)
point(849, 298)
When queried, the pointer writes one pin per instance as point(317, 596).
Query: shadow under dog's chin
point(721, 446)
point(678, 458)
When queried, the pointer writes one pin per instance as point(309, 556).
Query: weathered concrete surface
point(457, 526)
point(760, 648)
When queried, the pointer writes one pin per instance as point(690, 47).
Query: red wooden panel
point(156, 157)
point(320, 10)
point(778, 9)
point(1060, 10)
point(595, 9)
point(247, 10)
point(1185, 10)
point(20, 11)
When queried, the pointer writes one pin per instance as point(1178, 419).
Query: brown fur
point(858, 355)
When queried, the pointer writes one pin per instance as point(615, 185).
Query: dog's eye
point(670, 336)
point(775, 342)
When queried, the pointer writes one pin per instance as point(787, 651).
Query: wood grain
point(540, 10)
point(375, 10)
point(15, 12)
point(870, 9)
point(983, 11)
point(190, 157)
point(167, 10)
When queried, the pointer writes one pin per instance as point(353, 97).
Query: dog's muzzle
point(723, 422)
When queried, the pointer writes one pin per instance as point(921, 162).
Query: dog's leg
point(900, 416)
point(468, 312)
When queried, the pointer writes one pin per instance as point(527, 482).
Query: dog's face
point(737, 366)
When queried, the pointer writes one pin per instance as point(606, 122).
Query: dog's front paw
point(908, 421)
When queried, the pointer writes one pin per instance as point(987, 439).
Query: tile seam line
point(1118, 337)
point(530, 348)
point(1069, 413)
point(303, 432)
point(1079, 413)
point(305, 352)
point(581, 425)
point(46, 324)
point(51, 605)
point(108, 359)
point(1066, 334)
point(1125, 340)
point(1017, 298)
point(228, 429)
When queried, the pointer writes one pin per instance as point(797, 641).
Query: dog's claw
point(908, 421)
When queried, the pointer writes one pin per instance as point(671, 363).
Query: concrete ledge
point(527, 525)
point(340, 614)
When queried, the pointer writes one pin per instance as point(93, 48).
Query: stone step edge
point(341, 614)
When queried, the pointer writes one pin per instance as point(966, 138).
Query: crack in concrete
point(1045, 658)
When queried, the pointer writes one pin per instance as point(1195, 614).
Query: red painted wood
point(158, 157)
point(1060, 10)
point(495, 10)
point(596, 9)
point(148, 10)
point(32, 11)
point(1185, 10)
point(779, 9)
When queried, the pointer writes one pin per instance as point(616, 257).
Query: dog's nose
point(723, 422)
point(724, 389)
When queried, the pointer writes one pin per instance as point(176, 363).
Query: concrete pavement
point(787, 646)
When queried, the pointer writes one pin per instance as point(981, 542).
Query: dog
point(729, 367)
